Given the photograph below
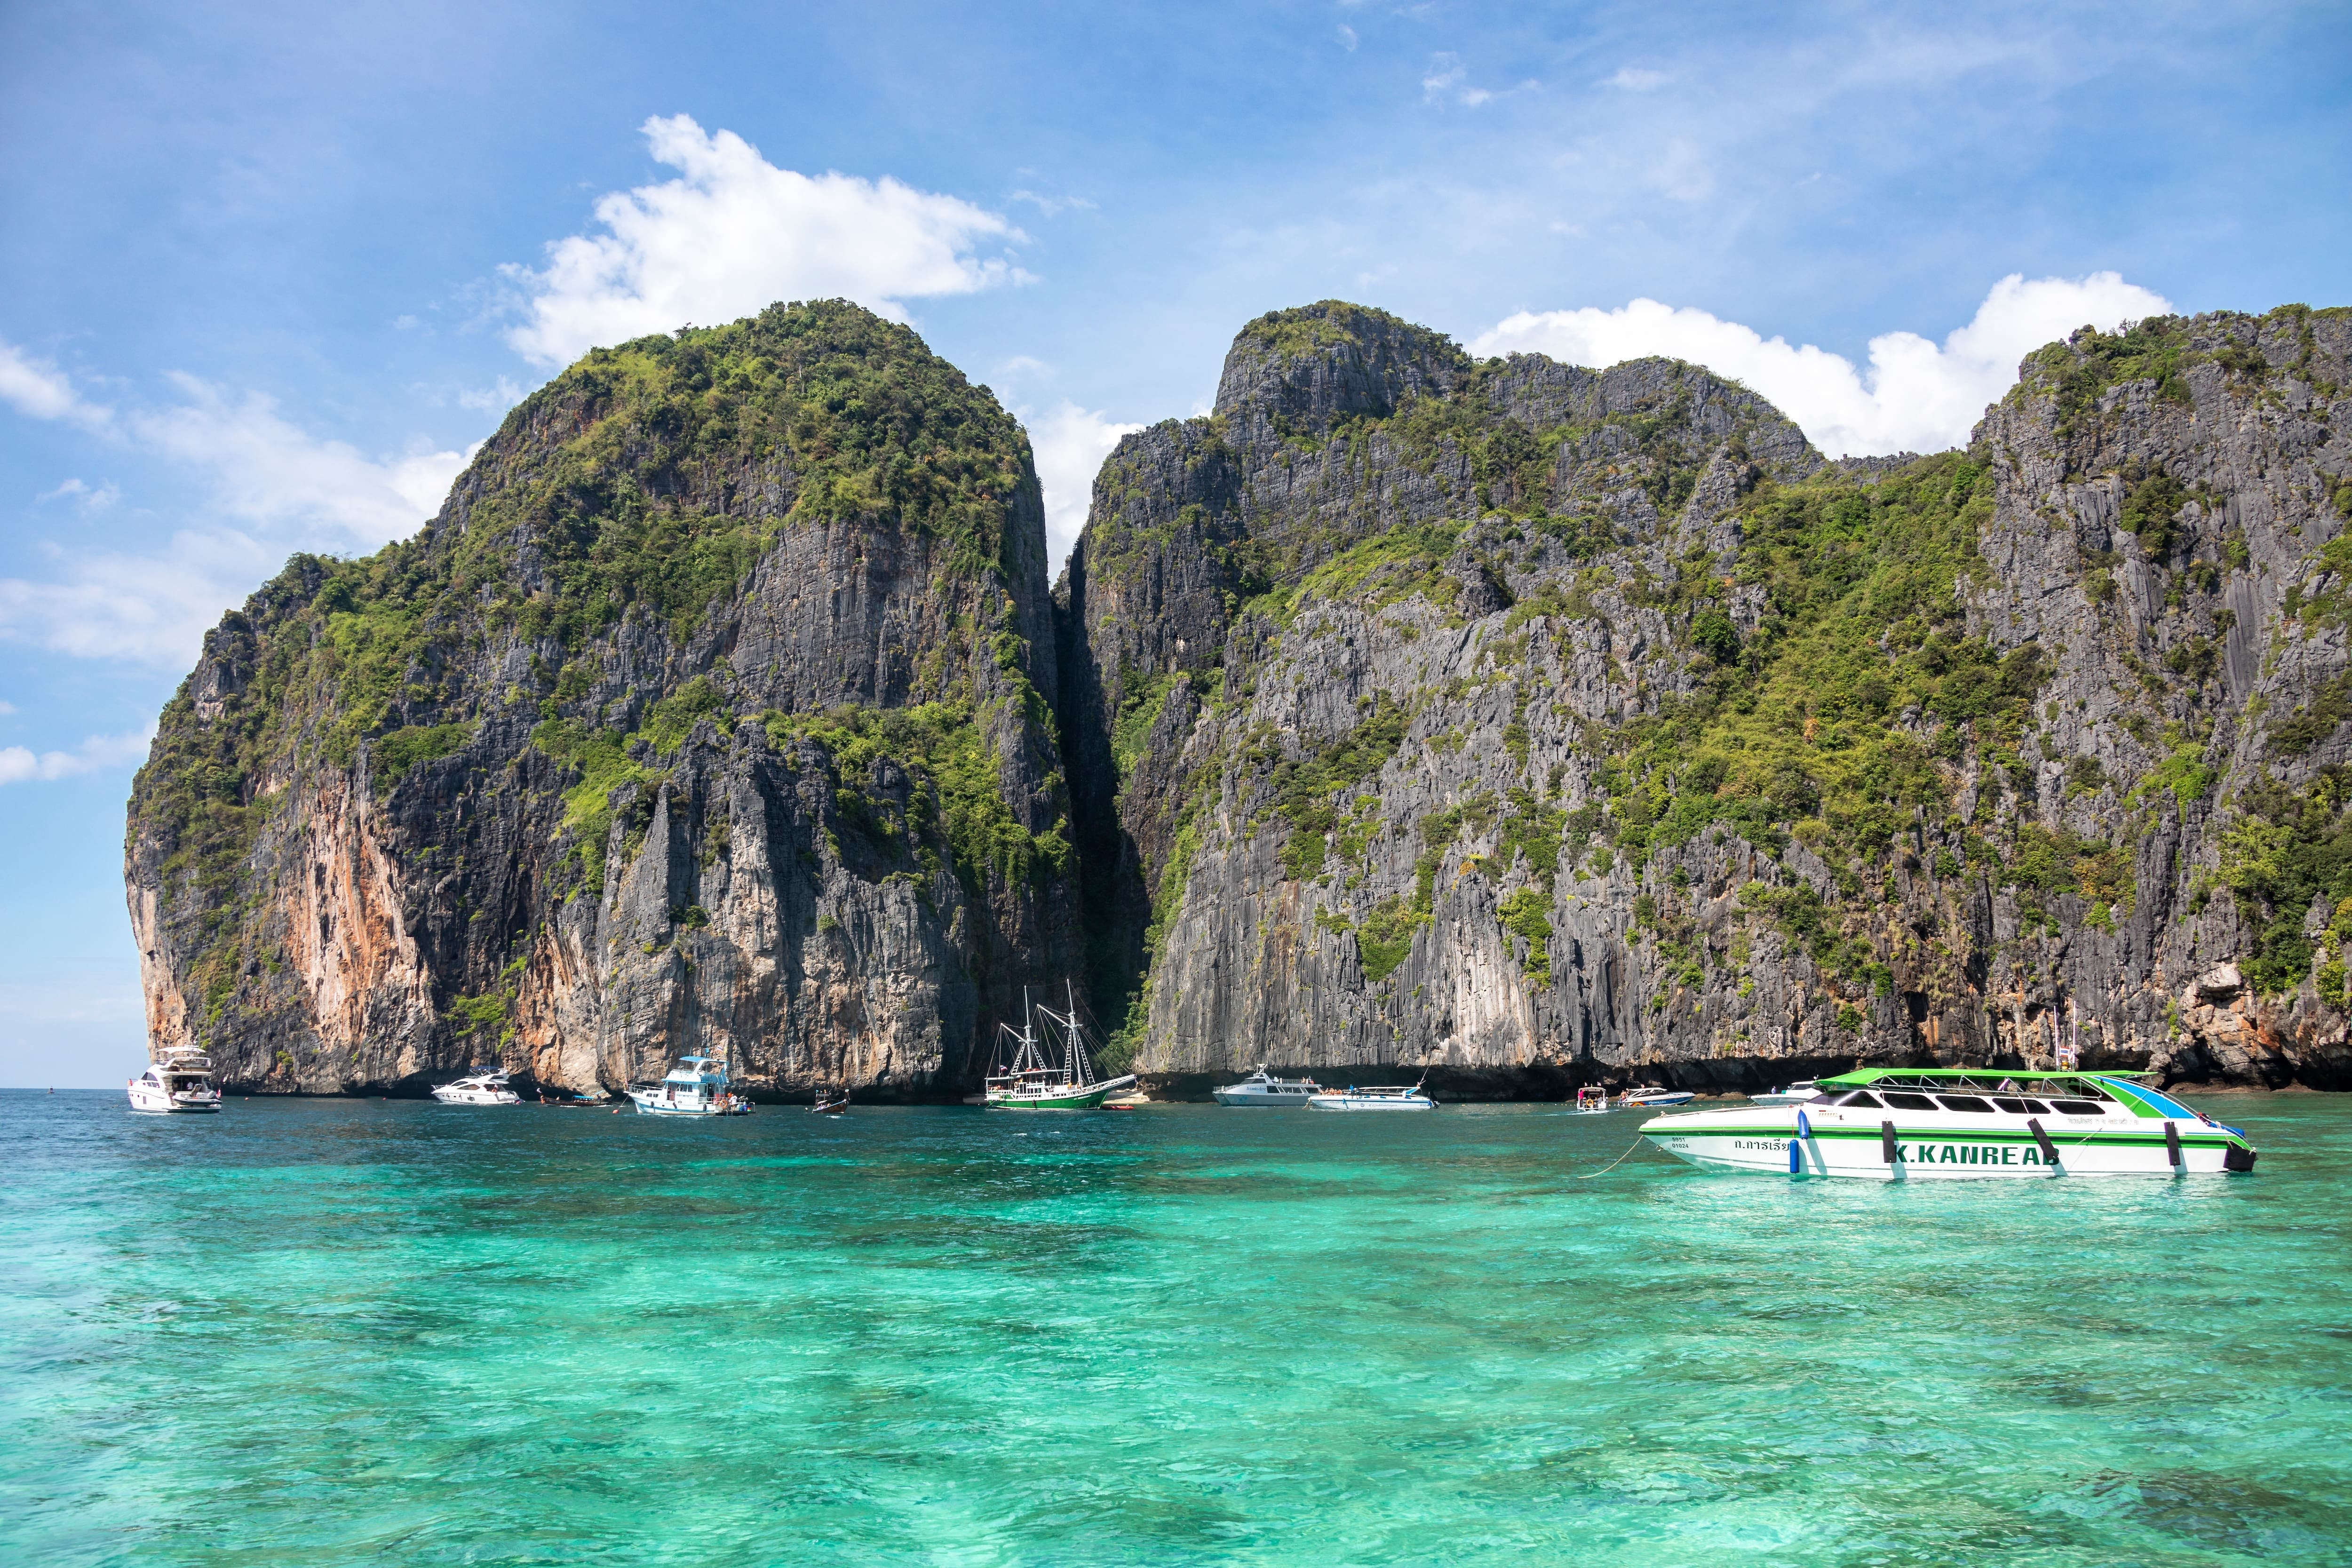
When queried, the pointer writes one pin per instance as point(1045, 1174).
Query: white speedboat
point(696, 1087)
point(1031, 1082)
point(1804, 1091)
point(1653, 1096)
point(182, 1081)
point(1262, 1089)
point(1592, 1100)
point(479, 1089)
point(1390, 1098)
point(1936, 1123)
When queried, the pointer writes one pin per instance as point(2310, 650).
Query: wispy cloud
point(1052, 207)
point(733, 234)
point(38, 389)
point(1916, 395)
point(18, 765)
point(1634, 78)
point(85, 496)
point(270, 486)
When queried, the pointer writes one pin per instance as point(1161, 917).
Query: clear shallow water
point(333, 1332)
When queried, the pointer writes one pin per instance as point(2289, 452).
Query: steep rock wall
point(1532, 723)
point(707, 715)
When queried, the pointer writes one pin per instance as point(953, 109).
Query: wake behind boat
point(1031, 1082)
point(1934, 1123)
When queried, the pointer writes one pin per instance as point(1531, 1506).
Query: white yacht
point(183, 1080)
point(696, 1087)
point(1804, 1091)
point(479, 1089)
point(1392, 1096)
point(1654, 1096)
point(1591, 1100)
point(1262, 1089)
point(1909, 1124)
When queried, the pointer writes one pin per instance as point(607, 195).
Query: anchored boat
point(1916, 1123)
point(1653, 1095)
point(182, 1081)
point(1391, 1097)
point(696, 1087)
point(1033, 1083)
point(1804, 1091)
point(1263, 1088)
point(479, 1089)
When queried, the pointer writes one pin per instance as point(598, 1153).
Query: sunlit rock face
point(1532, 724)
point(1524, 725)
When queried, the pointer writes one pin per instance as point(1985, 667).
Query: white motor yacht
point(1389, 1098)
point(479, 1089)
point(1899, 1124)
point(1804, 1091)
point(182, 1081)
point(696, 1087)
point(1263, 1088)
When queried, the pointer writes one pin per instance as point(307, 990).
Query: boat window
point(1860, 1097)
point(1964, 1103)
point(2077, 1108)
point(1910, 1102)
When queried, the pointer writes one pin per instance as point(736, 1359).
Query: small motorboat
point(831, 1102)
point(481, 1088)
point(182, 1081)
point(1591, 1101)
point(1263, 1088)
point(1387, 1098)
point(1909, 1124)
point(1653, 1096)
point(1804, 1091)
point(696, 1087)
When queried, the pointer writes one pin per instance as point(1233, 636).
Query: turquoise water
point(331, 1332)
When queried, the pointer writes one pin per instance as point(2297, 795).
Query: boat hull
point(1350, 1103)
point(154, 1103)
point(653, 1105)
point(1923, 1149)
point(476, 1097)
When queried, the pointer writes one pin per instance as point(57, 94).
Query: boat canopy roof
point(2138, 1098)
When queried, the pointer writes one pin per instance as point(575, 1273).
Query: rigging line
point(1613, 1163)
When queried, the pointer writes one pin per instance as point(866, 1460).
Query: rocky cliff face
point(708, 714)
point(1525, 723)
point(1537, 725)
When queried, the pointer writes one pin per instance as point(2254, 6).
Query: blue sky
point(267, 274)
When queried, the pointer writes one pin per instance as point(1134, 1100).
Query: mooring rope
point(1613, 1163)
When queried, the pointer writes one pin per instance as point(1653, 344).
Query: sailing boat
point(1034, 1083)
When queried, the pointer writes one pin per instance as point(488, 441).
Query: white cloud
point(1070, 443)
point(1916, 396)
point(87, 497)
point(1053, 207)
point(1634, 79)
point(1348, 37)
point(7, 708)
point(276, 487)
point(1445, 72)
point(38, 389)
point(733, 234)
point(267, 472)
point(494, 399)
point(1682, 172)
point(18, 765)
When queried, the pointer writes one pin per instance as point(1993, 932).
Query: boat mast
point(1081, 1069)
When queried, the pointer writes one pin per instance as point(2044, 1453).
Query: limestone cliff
point(1537, 725)
point(708, 714)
